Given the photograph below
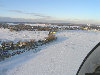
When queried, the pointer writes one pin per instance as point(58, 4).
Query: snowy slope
point(6, 35)
point(62, 57)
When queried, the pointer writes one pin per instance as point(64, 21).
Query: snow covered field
point(62, 57)
point(42, 25)
point(6, 35)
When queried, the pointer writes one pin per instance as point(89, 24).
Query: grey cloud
point(43, 16)
point(9, 19)
point(39, 15)
point(17, 11)
point(34, 14)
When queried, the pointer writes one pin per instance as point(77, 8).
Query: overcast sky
point(74, 11)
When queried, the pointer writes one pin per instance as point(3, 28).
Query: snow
point(42, 25)
point(62, 57)
point(36, 24)
point(11, 24)
point(6, 35)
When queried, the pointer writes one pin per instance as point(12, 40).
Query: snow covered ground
point(6, 35)
point(62, 57)
point(42, 25)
